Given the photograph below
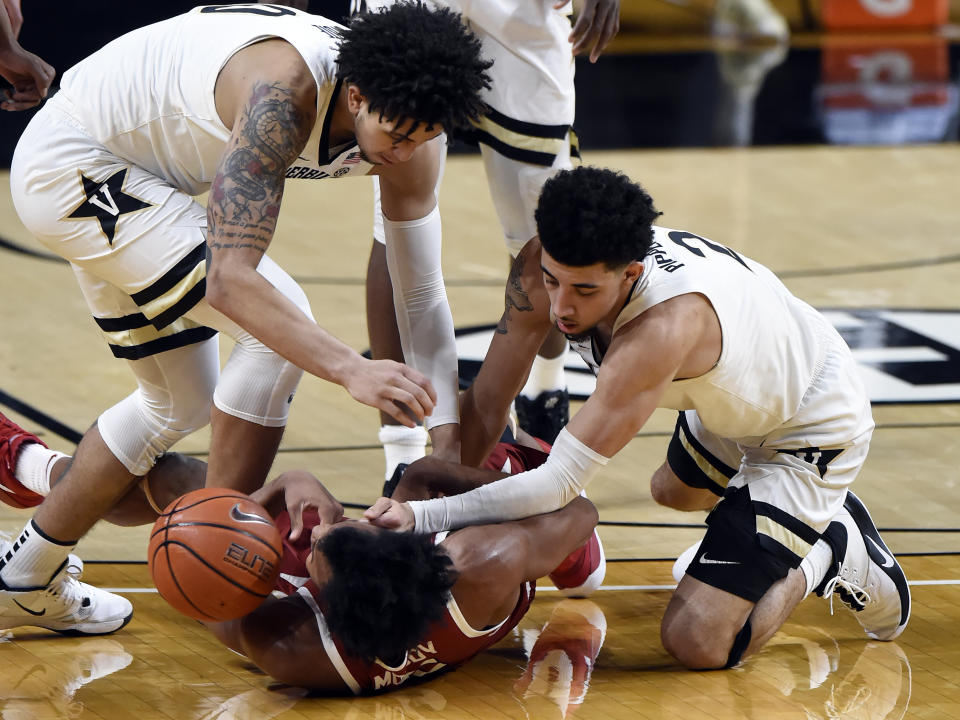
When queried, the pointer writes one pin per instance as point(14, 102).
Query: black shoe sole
point(880, 553)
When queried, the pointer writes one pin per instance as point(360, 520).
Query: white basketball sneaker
point(66, 605)
point(868, 579)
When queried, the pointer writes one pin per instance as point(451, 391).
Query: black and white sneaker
point(545, 415)
point(868, 579)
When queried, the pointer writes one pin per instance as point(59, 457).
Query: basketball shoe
point(12, 492)
point(66, 605)
point(868, 579)
point(583, 570)
point(545, 415)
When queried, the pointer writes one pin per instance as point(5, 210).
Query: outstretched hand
point(393, 388)
point(29, 75)
point(390, 514)
point(597, 24)
point(300, 491)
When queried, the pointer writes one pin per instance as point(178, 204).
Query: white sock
point(32, 560)
point(402, 445)
point(546, 375)
point(34, 465)
point(681, 564)
point(816, 564)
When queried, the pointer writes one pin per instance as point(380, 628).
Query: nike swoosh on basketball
point(887, 560)
point(706, 561)
point(32, 612)
point(240, 516)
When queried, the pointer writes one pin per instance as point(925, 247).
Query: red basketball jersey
point(449, 642)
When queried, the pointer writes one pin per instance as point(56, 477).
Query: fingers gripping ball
point(214, 554)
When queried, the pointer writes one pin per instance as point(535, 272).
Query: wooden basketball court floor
point(847, 229)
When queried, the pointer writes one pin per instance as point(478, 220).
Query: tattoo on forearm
point(245, 194)
point(515, 296)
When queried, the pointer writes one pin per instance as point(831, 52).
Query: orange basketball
point(214, 554)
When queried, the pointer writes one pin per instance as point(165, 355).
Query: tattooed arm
point(522, 329)
point(268, 98)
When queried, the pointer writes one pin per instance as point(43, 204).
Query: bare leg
point(172, 476)
point(241, 452)
point(92, 484)
point(701, 622)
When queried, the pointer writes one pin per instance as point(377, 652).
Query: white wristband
point(568, 469)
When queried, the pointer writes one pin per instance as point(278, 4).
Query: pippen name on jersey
point(664, 261)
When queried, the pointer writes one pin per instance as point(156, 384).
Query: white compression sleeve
point(568, 469)
point(423, 313)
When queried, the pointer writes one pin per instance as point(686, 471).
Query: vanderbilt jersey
point(148, 96)
point(774, 345)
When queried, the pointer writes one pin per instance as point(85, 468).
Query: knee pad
point(138, 432)
point(257, 385)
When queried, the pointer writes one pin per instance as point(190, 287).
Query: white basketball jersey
point(148, 96)
point(773, 343)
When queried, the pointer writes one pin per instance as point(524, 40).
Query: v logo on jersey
point(707, 561)
point(106, 201)
point(884, 555)
point(112, 207)
point(240, 516)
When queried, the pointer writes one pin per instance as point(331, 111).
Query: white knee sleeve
point(171, 401)
point(257, 384)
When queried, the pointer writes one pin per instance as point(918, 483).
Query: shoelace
point(855, 591)
point(69, 593)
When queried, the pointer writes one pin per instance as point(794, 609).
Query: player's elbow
point(221, 291)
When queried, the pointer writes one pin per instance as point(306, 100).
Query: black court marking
point(40, 418)
point(14, 247)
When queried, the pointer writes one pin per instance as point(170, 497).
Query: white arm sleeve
point(423, 313)
point(568, 469)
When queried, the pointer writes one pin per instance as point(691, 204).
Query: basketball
point(214, 554)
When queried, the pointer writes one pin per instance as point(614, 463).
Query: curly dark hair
point(385, 590)
point(416, 63)
point(589, 215)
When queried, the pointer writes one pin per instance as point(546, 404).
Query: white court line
point(550, 588)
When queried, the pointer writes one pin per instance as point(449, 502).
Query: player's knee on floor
point(699, 643)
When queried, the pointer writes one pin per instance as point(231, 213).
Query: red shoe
point(583, 570)
point(12, 436)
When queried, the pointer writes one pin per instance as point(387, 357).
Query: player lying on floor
point(366, 609)
point(453, 594)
